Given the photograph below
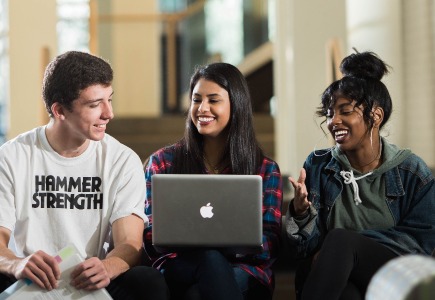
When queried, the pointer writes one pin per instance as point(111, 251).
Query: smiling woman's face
point(210, 108)
point(346, 123)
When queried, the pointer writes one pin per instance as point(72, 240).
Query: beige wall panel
point(135, 57)
point(32, 29)
point(304, 31)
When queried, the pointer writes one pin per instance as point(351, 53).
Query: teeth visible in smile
point(340, 132)
point(101, 126)
point(204, 119)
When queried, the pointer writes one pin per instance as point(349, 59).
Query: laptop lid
point(215, 211)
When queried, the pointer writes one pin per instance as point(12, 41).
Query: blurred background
point(289, 51)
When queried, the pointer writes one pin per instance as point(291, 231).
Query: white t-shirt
point(49, 201)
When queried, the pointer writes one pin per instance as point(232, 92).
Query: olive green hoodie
point(362, 204)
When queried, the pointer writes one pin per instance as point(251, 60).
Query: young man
point(69, 182)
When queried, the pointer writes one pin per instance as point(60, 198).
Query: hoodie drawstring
point(350, 178)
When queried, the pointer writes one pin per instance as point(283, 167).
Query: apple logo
point(206, 211)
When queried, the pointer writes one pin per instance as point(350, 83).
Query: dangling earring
point(378, 156)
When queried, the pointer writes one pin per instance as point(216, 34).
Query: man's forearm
point(122, 258)
point(8, 261)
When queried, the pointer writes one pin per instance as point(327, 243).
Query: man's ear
point(58, 111)
point(378, 116)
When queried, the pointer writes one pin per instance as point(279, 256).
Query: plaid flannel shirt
point(258, 265)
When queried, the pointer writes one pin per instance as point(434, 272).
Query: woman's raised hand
point(300, 201)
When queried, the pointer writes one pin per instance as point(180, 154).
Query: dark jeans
point(5, 282)
point(343, 269)
point(137, 283)
point(207, 274)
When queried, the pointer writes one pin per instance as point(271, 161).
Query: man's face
point(91, 112)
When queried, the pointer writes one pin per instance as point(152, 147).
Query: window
point(4, 69)
point(224, 29)
point(170, 6)
point(221, 30)
point(73, 25)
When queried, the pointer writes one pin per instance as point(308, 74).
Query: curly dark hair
point(361, 82)
point(70, 73)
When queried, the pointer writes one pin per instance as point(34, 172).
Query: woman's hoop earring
point(380, 144)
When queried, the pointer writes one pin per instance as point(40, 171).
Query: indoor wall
point(401, 32)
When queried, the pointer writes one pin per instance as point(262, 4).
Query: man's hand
point(300, 201)
point(41, 268)
point(93, 273)
point(90, 275)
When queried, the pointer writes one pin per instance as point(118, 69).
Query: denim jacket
point(410, 196)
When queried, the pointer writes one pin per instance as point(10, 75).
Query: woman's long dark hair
point(241, 149)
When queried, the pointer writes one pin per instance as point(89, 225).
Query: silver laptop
point(210, 211)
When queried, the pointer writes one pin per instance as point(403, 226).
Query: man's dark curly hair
point(70, 73)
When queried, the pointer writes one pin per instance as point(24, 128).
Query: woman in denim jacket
point(362, 202)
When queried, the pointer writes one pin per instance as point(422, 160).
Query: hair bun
point(364, 65)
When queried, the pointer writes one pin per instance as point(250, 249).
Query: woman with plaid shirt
point(219, 139)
